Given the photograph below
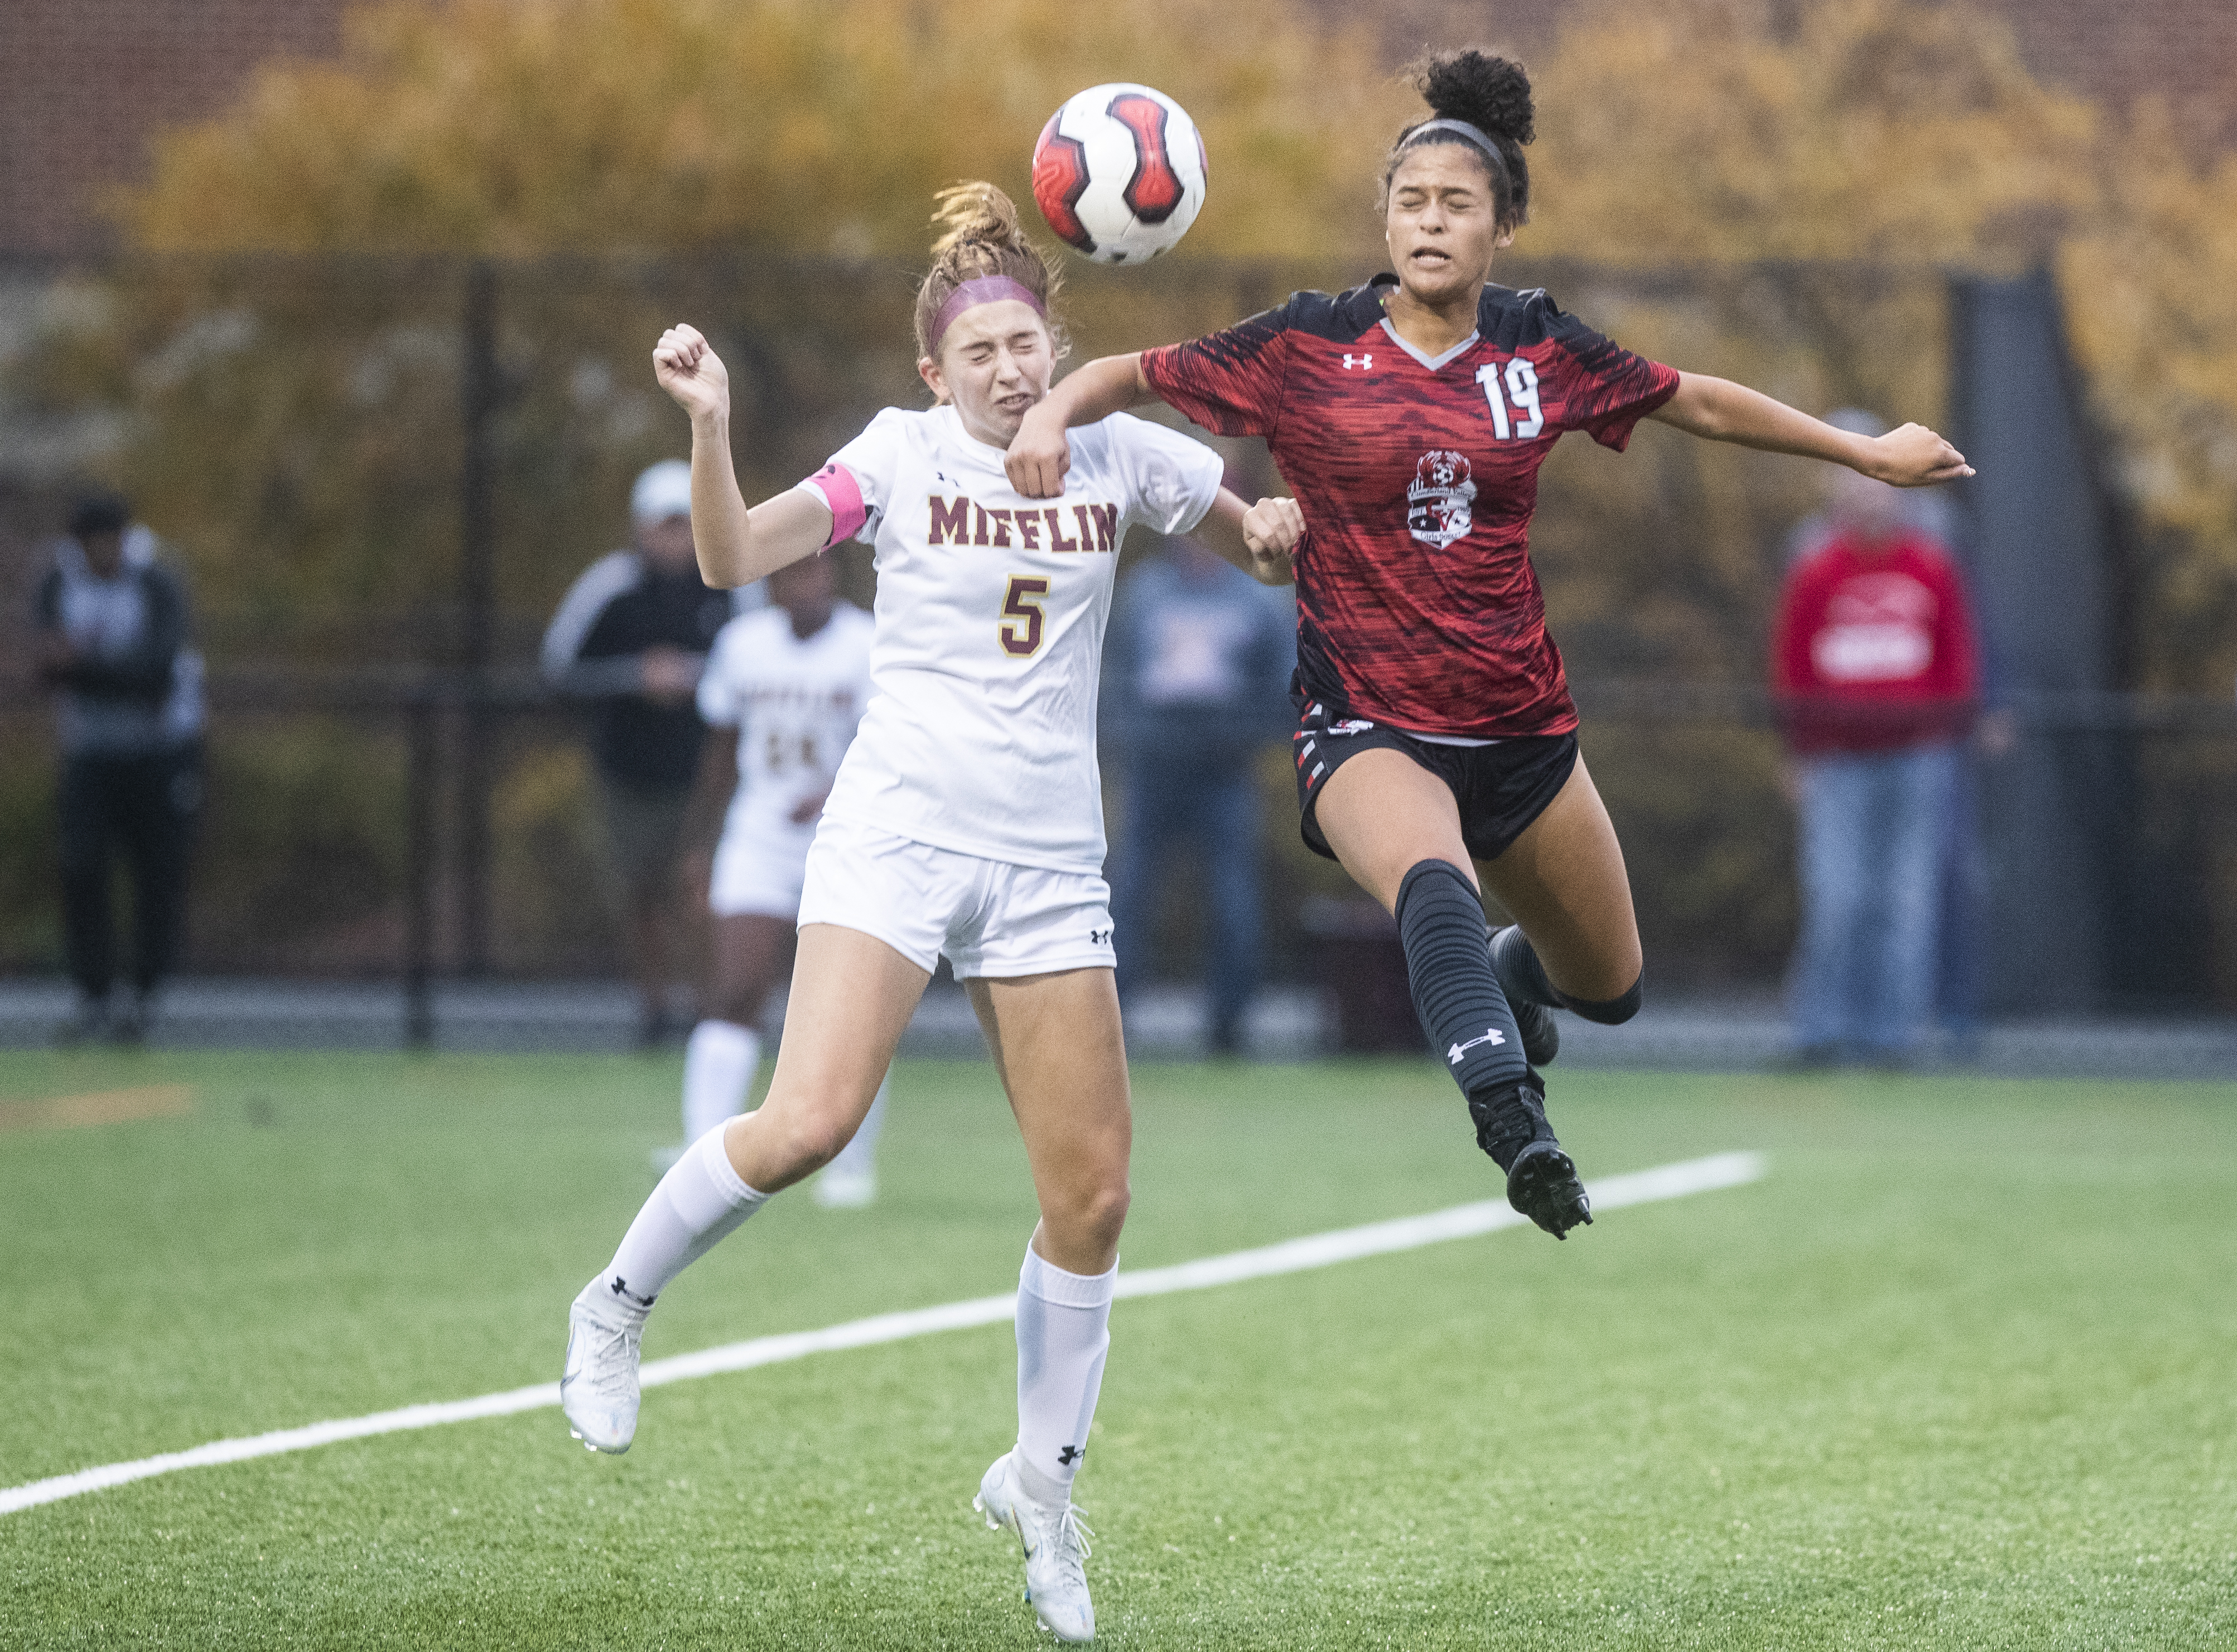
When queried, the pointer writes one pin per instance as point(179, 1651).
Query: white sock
point(699, 1204)
point(719, 1062)
point(860, 1156)
point(1064, 1332)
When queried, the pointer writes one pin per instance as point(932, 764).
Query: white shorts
point(758, 871)
point(990, 917)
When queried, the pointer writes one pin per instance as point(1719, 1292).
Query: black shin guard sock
point(1456, 992)
point(1519, 972)
point(1608, 1012)
point(1524, 976)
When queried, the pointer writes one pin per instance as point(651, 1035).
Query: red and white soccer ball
point(1119, 173)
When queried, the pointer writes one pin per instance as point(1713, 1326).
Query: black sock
point(1608, 1012)
point(1523, 976)
point(1456, 992)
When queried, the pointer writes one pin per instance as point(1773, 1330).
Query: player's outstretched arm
point(1912, 456)
point(1257, 538)
point(736, 546)
point(1040, 452)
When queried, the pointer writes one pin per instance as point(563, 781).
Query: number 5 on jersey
point(1023, 603)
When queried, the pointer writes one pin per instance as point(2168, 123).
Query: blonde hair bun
point(980, 235)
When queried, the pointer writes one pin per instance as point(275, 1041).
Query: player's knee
point(812, 1140)
point(1091, 1215)
point(1610, 1012)
point(1434, 890)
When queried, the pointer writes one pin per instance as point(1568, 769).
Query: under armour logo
point(1351, 360)
point(1099, 937)
point(1070, 1454)
point(1492, 1036)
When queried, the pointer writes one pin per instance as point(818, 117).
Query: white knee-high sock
point(699, 1203)
point(1064, 1333)
point(719, 1063)
point(860, 1156)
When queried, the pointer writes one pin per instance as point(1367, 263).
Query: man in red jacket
point(1877, 679)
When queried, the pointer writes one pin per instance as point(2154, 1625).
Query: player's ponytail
point(1492, 96)
point(979, 236)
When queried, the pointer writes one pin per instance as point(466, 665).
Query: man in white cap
point(629, 641)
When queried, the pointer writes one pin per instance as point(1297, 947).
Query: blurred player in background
point(630, 640)
point(781, 694)
point(1199, 658)
point(967, 819)
point(1436, 729)
point(112, 625)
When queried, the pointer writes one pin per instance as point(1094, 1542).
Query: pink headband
point(980, 289)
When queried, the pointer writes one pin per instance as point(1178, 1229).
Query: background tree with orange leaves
point(519, 126)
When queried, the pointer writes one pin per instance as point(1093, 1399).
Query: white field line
point(1292, 1256)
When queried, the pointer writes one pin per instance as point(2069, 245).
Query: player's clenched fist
point(688, 370)
point(1039, 453)
point(1271, 529)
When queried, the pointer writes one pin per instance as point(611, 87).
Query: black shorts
point(1500, 788)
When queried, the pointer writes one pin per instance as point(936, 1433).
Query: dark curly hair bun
point(1486, 91)
point(1491, 92)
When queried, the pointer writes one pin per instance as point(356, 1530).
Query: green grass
point(1962, 1372)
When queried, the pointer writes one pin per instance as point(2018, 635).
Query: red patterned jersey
point(1416, 603)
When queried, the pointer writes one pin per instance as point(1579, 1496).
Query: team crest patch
point(1437, 504)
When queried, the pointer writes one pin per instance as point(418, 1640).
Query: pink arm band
point(836, 486)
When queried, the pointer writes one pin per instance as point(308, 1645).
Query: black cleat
point(1541, 1181)
point(1541, 1033)
point(1542, 1184)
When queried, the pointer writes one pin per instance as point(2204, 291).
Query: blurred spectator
point(1965, 872)
point(631, 640)
point(1876, 678)
point(1198, 670)
point(112, 625)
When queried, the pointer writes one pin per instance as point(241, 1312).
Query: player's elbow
point(1702, 407)
point(724, 573)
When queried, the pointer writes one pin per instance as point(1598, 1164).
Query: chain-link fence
point(381, 474)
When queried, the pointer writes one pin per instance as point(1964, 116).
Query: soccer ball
point(1119, 173)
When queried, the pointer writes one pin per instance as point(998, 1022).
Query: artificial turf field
point(1961, 1371)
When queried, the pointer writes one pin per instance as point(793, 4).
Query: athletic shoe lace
point(1068, 1545)
point(613, 1360)
point(1511, 1113)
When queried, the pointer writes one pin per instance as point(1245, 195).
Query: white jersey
point(992, 607)
point(794, 703)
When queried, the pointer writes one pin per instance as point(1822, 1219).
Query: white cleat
point(1056, 1583)
point(598, 1389)
point(837, 1189)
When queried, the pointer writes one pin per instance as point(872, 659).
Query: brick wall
point(2183, 50)
point(83, 82)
